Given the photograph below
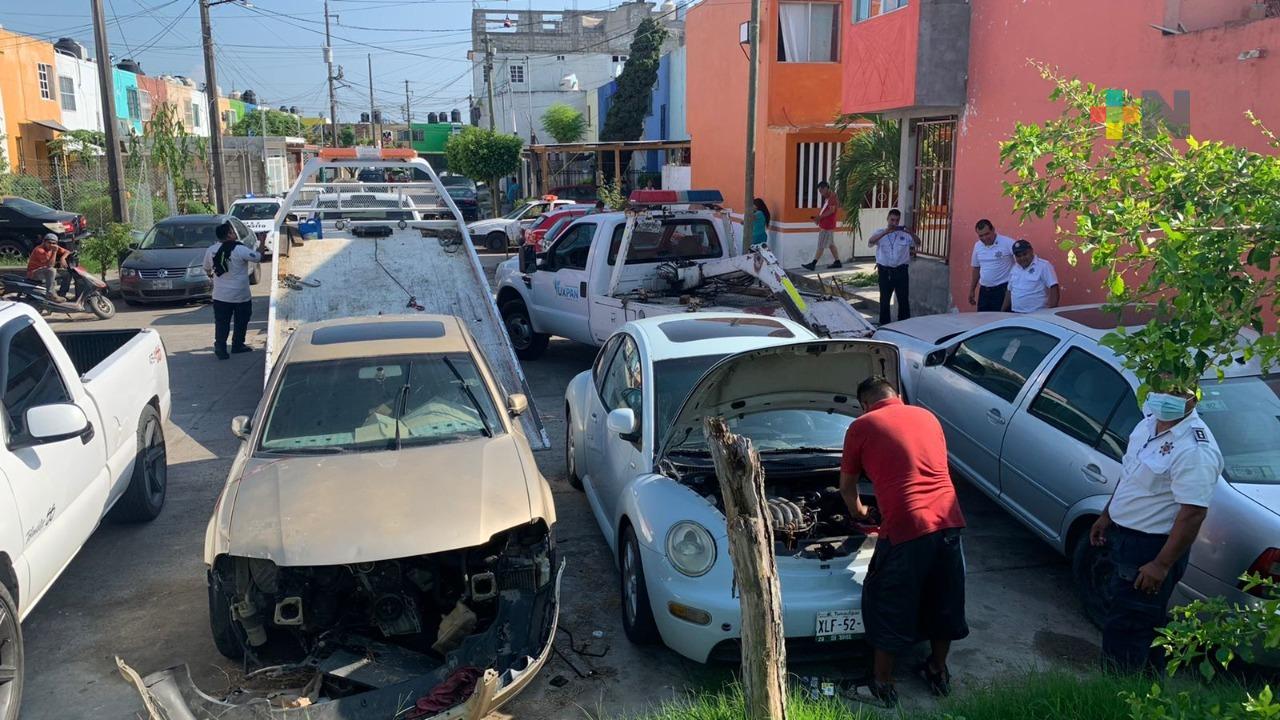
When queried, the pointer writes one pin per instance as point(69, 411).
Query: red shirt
point(41, 258)
point(902, 450)
point(828, 222)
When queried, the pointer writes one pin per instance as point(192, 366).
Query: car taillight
point(1268, 566)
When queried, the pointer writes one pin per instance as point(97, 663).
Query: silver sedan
point(1037, 415)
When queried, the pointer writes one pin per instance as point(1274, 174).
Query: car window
point(1001, 360)
point(1115, 438)
point(573, 248)
point(1244, 415)
point(661, 241)
point(31, 379)
point(1080, 396)
point(623, 385)
point(602, 361)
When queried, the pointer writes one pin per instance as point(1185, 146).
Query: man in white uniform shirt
point(227, 262)
point(1171, 467)
point(895, 246)
point(1033, 285)
point(992, 260)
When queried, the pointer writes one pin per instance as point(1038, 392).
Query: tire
point(102, 306)
point(11, 657)
point(496, 241)
point(570, 462)
point(12, 253)
point(529, 345)
point(637, 616)
point(1090, 569)
point(144, 498)
point(227, 636)
point(132, 303)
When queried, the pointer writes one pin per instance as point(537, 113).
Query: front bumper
point(137, 289)
point(808, 587)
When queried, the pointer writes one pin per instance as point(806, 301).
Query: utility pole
point(753, 81)
point(488, 75)
point(215, 122)
point(377, 138)
point(328, 59)
point(408, 113)
point(266, 174)
point(115, 166)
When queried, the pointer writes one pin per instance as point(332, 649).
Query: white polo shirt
point(233, 285)
point(993, 261)
point(894, 248)
point(1029, 286)
point(1163, 472)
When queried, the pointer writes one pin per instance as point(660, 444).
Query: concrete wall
point(676, 108)
point(88, 111)
point(942, 56)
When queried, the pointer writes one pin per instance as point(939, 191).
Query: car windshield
point(1244, 416)
point(459, 191)
point(366, 404)
point(255, 211)
point(524, 211)
point(180, 235)
point(26, 207)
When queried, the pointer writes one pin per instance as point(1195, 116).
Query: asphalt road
point(138, 591)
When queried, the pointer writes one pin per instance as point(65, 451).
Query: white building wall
point(516, 105)
point(87, 114)
point(201, 102)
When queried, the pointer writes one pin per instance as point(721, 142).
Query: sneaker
point(221, 353)
point(835, 265)
point(939, 682)
point(241, 349)
point(810, 266)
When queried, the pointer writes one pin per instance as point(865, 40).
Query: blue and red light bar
point(676, 197)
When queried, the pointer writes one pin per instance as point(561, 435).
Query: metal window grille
point(814, 161)
point(67, 91)
point(934, 183)
point(131, 99)
point(46, 91)
point(517, 73)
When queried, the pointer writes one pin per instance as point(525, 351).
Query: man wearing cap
point(992, 260)
point(42, 266)
point(1033, 285)
point(1171, 467)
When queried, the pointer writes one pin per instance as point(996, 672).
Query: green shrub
point(103, 248)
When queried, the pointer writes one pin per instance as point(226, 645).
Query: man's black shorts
point(915, 592)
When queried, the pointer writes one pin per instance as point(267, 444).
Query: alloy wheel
point(10, 663)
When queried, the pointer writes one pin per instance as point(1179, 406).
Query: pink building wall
point(880, 60)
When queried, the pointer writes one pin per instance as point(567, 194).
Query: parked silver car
point(167, 264)
point(1037, 414)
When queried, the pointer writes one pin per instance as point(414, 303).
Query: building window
point(67, 91)
point(619, 58)
point(814, 161)
point(517, 73)
point(144, 105)
point(132, 103)
point(560, 58)
point(46, 91)
point(193, 114)
point(808, 32)
point(419, 136)
point(864, 9)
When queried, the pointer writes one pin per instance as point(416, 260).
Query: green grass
point(1056, 695)
point(862, 278)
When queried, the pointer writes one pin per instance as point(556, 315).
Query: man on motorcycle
point(42, 266)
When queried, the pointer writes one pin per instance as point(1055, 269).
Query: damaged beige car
point(385, 532)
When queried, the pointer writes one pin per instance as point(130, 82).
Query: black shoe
point(810, 266)
point(939, 682)
point(221, 353)
point(835, 265)
point(237, 349)
point(885, 693)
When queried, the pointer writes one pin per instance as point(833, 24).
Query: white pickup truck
point(679, 255)
point(83, 436)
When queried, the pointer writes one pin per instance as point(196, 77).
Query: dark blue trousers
point(1133, 615)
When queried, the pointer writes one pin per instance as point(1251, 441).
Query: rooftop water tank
point(69, 46)
point(129, 65)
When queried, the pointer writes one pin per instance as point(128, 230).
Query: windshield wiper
point(801, 449)
point(401, 400)
point(315, 450)
point(484, 420)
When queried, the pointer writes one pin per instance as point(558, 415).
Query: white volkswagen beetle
point(635, 445)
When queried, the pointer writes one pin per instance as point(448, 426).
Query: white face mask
point(1166, 407)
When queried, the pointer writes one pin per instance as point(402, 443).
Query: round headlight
point(690, 548)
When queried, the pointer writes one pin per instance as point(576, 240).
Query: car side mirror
point(624, 422)
point(135, 246)
point(240, 426)
point(517, 404)
point(528, 259)
point(935, 358)
point(53, 423)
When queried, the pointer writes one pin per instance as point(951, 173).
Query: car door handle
point(995, 417)
point(582, 289)
point(1093, 473)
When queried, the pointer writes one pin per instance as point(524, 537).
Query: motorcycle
point(90, 295)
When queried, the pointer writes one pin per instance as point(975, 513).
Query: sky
point(274, 47)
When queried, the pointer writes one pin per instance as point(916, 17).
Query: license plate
point(838, 625)
point(161, 284)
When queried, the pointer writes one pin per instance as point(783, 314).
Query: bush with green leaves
point(105, 246)
point(611, 194)
point(868, 160)
point(565, 123)
point(484, 156)
point(25, 186)
point(278, 123)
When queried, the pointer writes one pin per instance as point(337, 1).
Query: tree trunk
point(764, 655)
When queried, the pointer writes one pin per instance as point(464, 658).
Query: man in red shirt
point(42, 266)
point(826, 222)
point(914, 589)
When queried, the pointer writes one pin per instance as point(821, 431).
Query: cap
point(51, 237)
point(1021, 246)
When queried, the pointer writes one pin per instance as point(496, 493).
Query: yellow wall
point(20, 88)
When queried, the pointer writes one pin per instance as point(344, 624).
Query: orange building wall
point(20, 87)
point(880, 61)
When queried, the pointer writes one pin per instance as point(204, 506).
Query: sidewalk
point(864, 297)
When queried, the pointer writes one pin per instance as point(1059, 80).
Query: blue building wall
point(124, 81)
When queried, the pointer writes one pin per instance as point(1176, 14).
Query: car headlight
point(690, 548)
point(128, 272)
point(196, 272)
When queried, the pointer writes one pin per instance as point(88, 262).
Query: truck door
point(60, 487)
point(559, 288)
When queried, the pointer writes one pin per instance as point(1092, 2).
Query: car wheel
point(570, 461)
point(637, 616)
point(12, 254)
point(11, 658)
point(529, 345)
point(227, 636)
point(148, 486)
point(1091, 569)
point(496, 241)
point(102, 306)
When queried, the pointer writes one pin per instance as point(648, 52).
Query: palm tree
point(869, 159)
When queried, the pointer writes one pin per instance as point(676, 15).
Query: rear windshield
point(26, 207)
point(165, 237)
point(363, 207)
point(1244, 416)
point(254, 211)
point(660, 241)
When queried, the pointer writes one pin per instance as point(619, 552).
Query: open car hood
point(370, 506)
point(813, 375)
